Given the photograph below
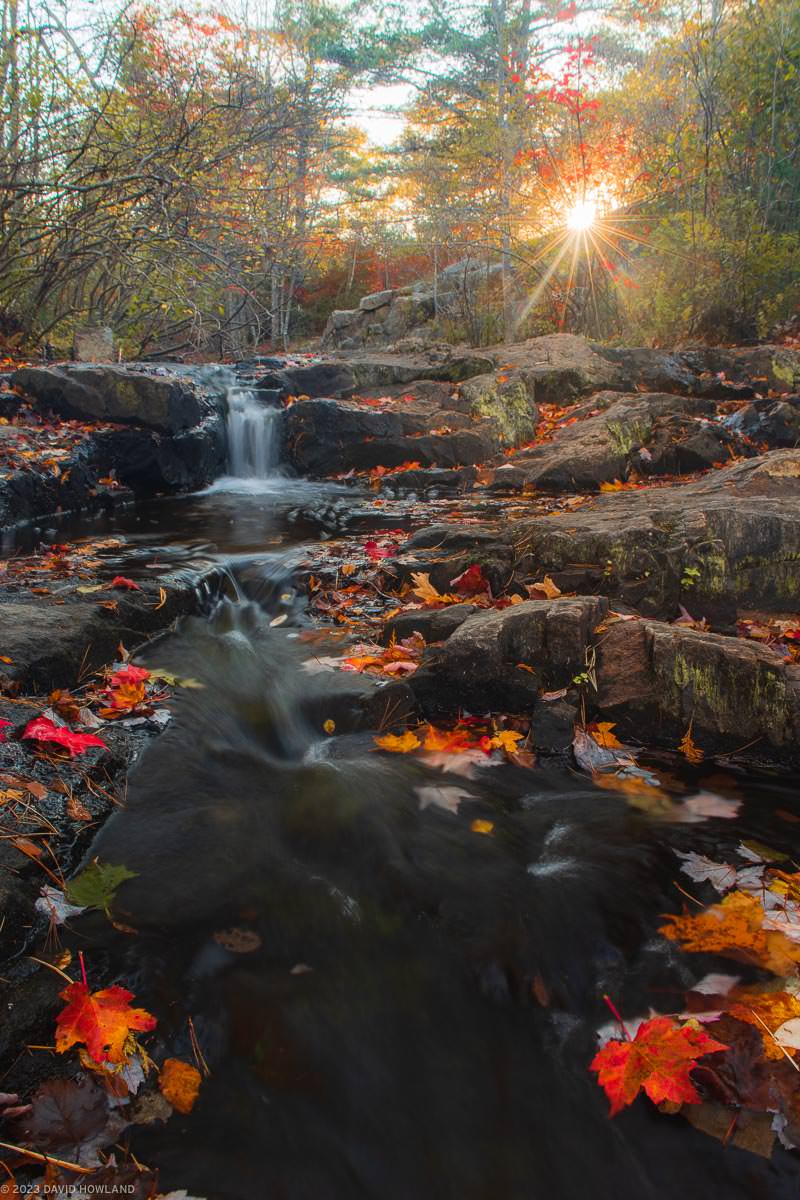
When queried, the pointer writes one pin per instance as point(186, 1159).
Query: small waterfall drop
point(253, 435)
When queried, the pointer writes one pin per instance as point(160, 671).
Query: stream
point(416, 1016)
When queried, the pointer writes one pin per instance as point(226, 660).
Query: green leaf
point(97, 885)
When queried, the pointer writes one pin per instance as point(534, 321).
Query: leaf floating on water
point(96, 886)
point(446, 797)
point(403, 743)
point(329, 726)
point(721, 876)
point(601, 732)
point(658, 1061)
point(67, 1115)
point(704, 805)
point(54, 905)
point(174, 680)
point(238, 941)
point(179, 1083)
point(481, 826)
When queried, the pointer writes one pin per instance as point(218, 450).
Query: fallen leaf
point(544, 589)
point(403, 743)
point(659, 1060)
point(471, 582)
point(688, 749)
point(42, 729)
point(103, 1021)
point(179, 1083)
point(238, 941)
point(119, 581)
point(734, 928)
point(329, 726)
point(481, 826)
point(96, 886)
point(601, 732)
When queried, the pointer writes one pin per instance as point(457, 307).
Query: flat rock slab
point(500, 660)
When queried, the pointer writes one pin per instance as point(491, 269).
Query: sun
point(582, 215)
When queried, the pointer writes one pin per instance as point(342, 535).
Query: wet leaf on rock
point(96, 886)
point(103, 1021)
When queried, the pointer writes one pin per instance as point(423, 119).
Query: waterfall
point(253, 435)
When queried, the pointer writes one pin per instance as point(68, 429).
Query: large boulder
point(164, 402)
point(727, 542)
point(651, 434)
point(499, 660)
point(659, 680)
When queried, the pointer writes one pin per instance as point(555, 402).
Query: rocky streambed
point(574, 565)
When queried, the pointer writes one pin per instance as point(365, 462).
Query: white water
point(253, 436)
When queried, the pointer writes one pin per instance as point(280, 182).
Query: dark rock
point(54, 646)
point(435, 625)
point(656, 680)
point(165, 402)
point(553, 726)
point(431, 480)
point(150, 462)
point(387, 369)
point(480, 667)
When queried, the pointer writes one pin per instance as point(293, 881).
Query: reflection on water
point(418, 1015)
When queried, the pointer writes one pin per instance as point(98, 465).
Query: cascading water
point(253, 435)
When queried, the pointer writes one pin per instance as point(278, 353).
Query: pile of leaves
point(733, 1054)
point(783, 636)
point(472, 741)
point(58, 561)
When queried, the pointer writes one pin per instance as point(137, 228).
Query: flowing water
point(417, 1009)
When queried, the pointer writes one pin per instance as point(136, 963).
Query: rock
point(52, 645)
point(729, 541)
point(657, 680)
point(768, 421)
point(94, 344)
point(328, 437)
point(480, 667)
point(435, 625)
point(506, 398)
point(165, 403)
point(150, 462)
point(430, 480)
point(553, 726)
point(386, 369)
point(376, 300)
point(651, 434)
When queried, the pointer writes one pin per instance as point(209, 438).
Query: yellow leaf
point(545, 588)
point(329, 725)
point(402, 744)
point(479, 826)
point(506, 740)
point(601, 732)
point(423, 588)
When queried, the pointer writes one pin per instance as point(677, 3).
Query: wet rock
point(165, 402)
point(480, 668)
point(656, 680)
point(729, 541)
point(432, 480)
point(26, 495)
point(150, 462)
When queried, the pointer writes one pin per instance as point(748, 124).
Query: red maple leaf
point(3, 724)
point(659, 1059)
point(42, 729)
point(119, 581)
point(471, 582)
point(129, 675)
point(101, 1020)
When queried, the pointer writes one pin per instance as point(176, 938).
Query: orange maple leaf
point(102, 1020)
point(601, 732)
point(734, 928)
point(767, 1011)
point(658, 1060)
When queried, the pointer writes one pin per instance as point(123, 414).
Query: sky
point(371, 111)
